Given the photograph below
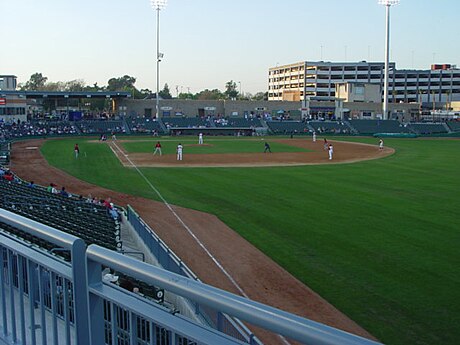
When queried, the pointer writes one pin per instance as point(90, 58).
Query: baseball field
point(379, 239)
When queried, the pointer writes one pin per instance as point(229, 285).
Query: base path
point(344, 152)
point(260, 277)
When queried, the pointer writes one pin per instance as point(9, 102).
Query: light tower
point(157, 6)
point(387, 4)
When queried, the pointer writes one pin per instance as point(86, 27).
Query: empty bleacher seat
point(288, 127)
point(88, 221)
point(427, 128)
point(378, 126)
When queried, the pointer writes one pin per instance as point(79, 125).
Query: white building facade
point(12, 107)
point(440, 84)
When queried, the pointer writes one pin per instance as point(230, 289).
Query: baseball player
point(331, 151)
point(200, 139)
point(314, 137)
point(267, 148)
point(381, 144)
point(157, 148)
point(76, 149)
point(179, 152)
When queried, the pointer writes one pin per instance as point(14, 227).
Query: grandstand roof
point(65, 94)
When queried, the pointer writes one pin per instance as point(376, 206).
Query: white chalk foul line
point(186, 227)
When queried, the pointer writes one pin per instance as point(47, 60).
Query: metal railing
point(33, 278)
point(45, 300)
point(171, 262)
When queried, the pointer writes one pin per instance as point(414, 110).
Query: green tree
point(145, 92)
point(209, 95)
point(94, 88)
point(186, 95)
point(230, 90)
point(125, 83)
point(75, 85)
point(260, 96)
point(165, 93)
point(54, 86)
point(36, 82)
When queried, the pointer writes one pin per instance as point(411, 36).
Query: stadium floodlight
point(158, 5)
point(387, 4)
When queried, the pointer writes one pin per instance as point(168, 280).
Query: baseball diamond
point(367, 235)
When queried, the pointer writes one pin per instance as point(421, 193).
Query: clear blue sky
point(209, 42)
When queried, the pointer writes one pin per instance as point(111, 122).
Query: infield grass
point(378, 239)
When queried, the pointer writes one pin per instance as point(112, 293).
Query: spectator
point(64, 193)
point(52, 188)
point(8, 176)
point(113, 212)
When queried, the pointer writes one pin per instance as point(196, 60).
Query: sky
point(207, 43)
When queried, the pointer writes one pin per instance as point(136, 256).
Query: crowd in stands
point(107, 126)
point(330, 127)
point(186, 122)
point(92, 219)
point(140, 125)
point(7, 175)
point(238, 122)
point(35, 128)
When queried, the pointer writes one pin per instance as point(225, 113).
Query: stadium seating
point(72, 215)
point(101, 126)
point(36, 128)
point(186, 122)
point(334, 127)
point(237, 122)
point(288, 127)
point(55, 127)
point(378, 126)
point(140, 125)
point(5, 149)
point(427, 128)
point(454, 126)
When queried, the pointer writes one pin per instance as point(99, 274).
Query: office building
point(439, 84)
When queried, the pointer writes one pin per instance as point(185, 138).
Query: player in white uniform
point(331, 151)
point(381, 144)
point(200, 139)
point(314, 137)
point(179, 152)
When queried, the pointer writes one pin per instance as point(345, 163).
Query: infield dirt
point(344, 152)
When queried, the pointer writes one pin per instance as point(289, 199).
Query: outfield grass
point(378, 239)
point(220, 146)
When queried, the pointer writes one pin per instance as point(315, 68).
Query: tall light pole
point(157, 6)
point(387, 4)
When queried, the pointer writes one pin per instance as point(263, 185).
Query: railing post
point(31, 286)
point(80, 292)
point(2, 292)
point(11, 263)
point(96, 304)
point(220, 321)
